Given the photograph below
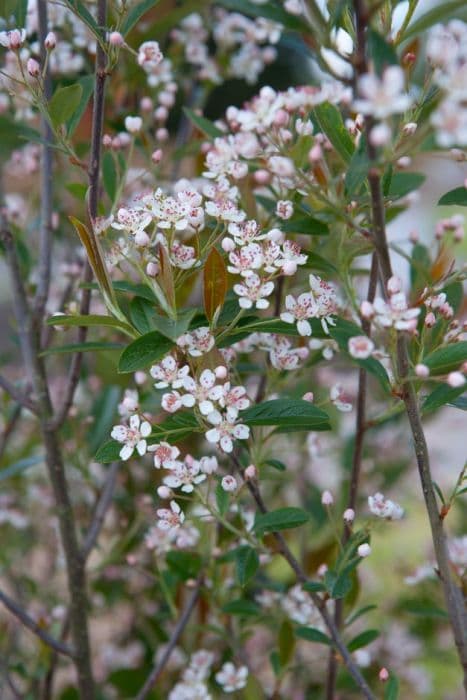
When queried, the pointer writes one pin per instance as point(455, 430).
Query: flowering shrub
point(255, 356)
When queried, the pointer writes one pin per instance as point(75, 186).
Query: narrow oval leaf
point(292, 414)
point(247, 564)
point(203, 124)
point(242, 607)
point(281, 519)
point(135, 14)
point(457, 196)
point(311, 634)
point(362, 640)
point(215, 283)
point(64, 103)
point(331, 123)
point(90, 346)
point(144, 351)
point(446, 359)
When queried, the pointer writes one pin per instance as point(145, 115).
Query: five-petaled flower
point(133, 436)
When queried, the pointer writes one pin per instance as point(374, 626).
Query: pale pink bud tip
point(221, 372)
point(33, 68)
point(229, 483)
point(349, 515)
point(116, 39)
point(422, 371)
point(367, 310)
point(250, 472)
point(327, 498)
point(164, 492)
point(156, 156)
point(50, 41)
point(309, 396)
point(430, 320)
point(394, 285)
point(456, 379)
point(364, 550)
point(383, 675)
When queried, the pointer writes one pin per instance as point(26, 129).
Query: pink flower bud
point(251, 472)
point(404, 162)
point(131, 559)
point(228, 245)
point(366, 309)
point(364, 550)
point(315, 153)
point(380, 135)
point(146, 104)
point(322, 570)
point(275, 235)
point(50, 41)
point(289, 268)
point(430, 320)
point(383, 675)
point(262, 177)
point(455, 379)
point(161, 114)
point(162, 134)
point(116, 39)
point(229, 483)
point(349, 515)
point(394, 285)
point(156, 156)
point(142, 239)
point(164, 492)
point(414, 237)
point(106, 141)
point(140, 377)
point(409, 128)
point(422, 371)
point(327, 498)
point(33, 68)
point(221, 372)
point(309, 396)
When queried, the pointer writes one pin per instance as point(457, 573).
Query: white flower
point(169, 373)
point(339, 399)
point(245, 260)
point(208, 465)
point(13, 39)
point(132, 221)
point(299, 310)
point(364, 550)
point(204, 391)
point(198, 342)
point(384, 508)
point(133, 124)
point(395, 313)
point(132, 436)
point(229, 483)
point(149, 55)
point(361, 347)
point(253, 292)
point(298, 605)
point(226, 428)
point(174, 401)
point(232, 678)
point(185, 474)
point(284, 209)
point(165, 455)
point(381, 97)
point(235, 397)
point(291, 256)
point(129, 404)
point(170, 519)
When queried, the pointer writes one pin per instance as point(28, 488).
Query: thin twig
point(93, 197)
point(301, 576)
point(32, 625)
point(453, 595)
point(23, 399)
point(175, 636)
point(100, 511)
point(9, 428)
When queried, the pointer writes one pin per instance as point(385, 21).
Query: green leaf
point(87, 86)
point(281, 519)
point(357, 171)
point(77, 190)
point(391, 691)
point(14, 135)
point(88, 320)
point(286, 643)
point(247, 563)
point(330, 121)
point(311, 634)
point(294, 414)
point(358, 613)
point(143, 314)
point(109, 175)
point(446, 359)
point(174, 329)
point(222, 499)
point(144, 351)
point(441, 13)
point(276, 464)
point(80, 9)
point(175, 428)
point(313, 586)
point(241, 607)
point(306, 225)
point(134, 15)
point(457, 196)
point(20, 466)
point(403, 183)
point(337, 585)
point(317, 263)
point(203, 124)
point(362, 640)
point(90, 346)
point(442, 395)
point(460, 403)
point(64, 102)
point(184, 564)
point(103, 411)
point(108, 452)
point(381, 53)
point(420, 267)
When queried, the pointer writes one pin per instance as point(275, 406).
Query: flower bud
point(50, 41)
point(156, 156)
point(394, 285)
point(152, 269)
point(422, 371)
point(229, 483)
point(140, 377)
point(327, 498)
point(456, 379)
point(161, 114)
point(366, 309)
point(409, 128)
point(228, 245)
point(33, 68)
point(146, 104)
point(349, 515)
point(364, 550)
point(162, 134)
point(133, 124)
point(380, 135)
point(221, 372)
point(261, 177)
point(309, 396)
point(164, 492)
point(116, 39)
point(106, 141)
point(430, 320)
point(251, 472)
point(383, 675)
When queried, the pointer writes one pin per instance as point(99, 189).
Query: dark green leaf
point(442, 395)
point(311, 634)
point(241, 607)
point(203, 124)
point(446, 359)
point(87, 86)
point(175, 428)
point(88, 320)
point(337, 585)
point(457, 196)
point(381, 53)
point(222, 499)
point(276, 464)
point(281, 519)
point(357, 171)
point(330, 121)
point(64, 103)
point(135, 14)
point(358, 613)
point(286, 643)
point(391, 691)
point(184, 564)
point(109, 175)
point(247, 563)
point(319, 264)
point(313, 586)
point(144, 351)
point(306, 225)
point(90, 346)
point(108, 452)
point(103, 411)
point(287, 413)
point(362, 640)
point(403, 183)
point(80, 9)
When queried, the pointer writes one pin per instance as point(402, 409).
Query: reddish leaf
point(166, 278)
point(215, 283)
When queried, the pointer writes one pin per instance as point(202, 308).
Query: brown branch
point(9, 429)
point(32, 625)
point(93, 198)
point(301, 576)
point(453, 595)
point(20, 398)
point(175, 636)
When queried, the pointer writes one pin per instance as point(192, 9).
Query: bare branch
point(32, 625)
point(100, 511)
point(23, 399)
point(175, 636)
